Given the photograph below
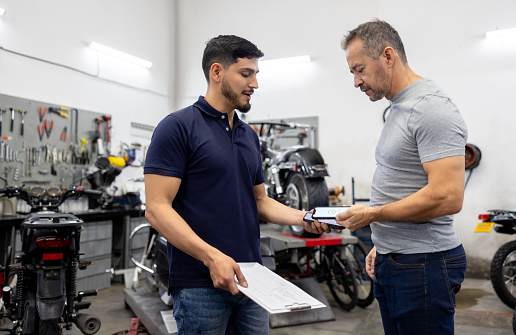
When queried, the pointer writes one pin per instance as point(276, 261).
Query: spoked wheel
point(357, 254)
point(304, 194)
point(342, 281)
point(503, 273)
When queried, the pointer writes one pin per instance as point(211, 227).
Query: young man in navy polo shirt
point(205, 195)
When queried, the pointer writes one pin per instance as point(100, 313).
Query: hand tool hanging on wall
point(22, 120)
point(42, 113)
point(41, 131)
point(48, 130)
point(57, 111)
point(2, 110)
point(12, 119)
point(63, 135)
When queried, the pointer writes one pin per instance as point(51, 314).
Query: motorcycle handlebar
point(23, 193)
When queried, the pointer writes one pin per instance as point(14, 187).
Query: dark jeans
point(416, 292)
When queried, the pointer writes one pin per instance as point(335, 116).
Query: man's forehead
point(246, 63)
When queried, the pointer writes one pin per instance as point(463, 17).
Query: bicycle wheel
point(341, 279)
point(357, 254)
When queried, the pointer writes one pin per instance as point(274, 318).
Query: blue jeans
point(211, 311)
point(416, 292)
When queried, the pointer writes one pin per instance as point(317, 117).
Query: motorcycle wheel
point(356, 254)
point(514, 321)
point(503, 273)
point(342, 281)
point(49, 327)
point(305, 194)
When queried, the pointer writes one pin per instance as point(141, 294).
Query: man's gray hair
point(376, 35)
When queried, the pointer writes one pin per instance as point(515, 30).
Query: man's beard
point(381, 85)
point(232, 96)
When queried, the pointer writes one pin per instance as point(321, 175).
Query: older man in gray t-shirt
point(423, 125)
point(417, 262)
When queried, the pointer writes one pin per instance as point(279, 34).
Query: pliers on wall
point(41, 131)
point(63, 134)
point(47, 129)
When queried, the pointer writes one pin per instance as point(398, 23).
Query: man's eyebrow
point(356, 66)
point(248, 69)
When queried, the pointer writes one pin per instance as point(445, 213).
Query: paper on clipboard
point(273, 293)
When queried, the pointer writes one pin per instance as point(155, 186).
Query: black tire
point(49, 327)
point(305, 194)
point(357, 254)
point(342, 280)
point(503, 273)
point(514, 321)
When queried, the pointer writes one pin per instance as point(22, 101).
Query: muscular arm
point(443, 195)
point(160, 191)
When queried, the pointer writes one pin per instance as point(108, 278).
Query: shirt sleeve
point(438, 128)
point(168, 153)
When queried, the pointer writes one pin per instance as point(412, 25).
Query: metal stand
point(147, 306)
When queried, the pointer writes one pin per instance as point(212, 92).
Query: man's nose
point(358, 81)
point(254, 83)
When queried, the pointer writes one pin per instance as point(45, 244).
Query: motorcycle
point(503, 265)
point(41, 294)
point(294, 175)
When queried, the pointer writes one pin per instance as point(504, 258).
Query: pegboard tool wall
point(48, 156)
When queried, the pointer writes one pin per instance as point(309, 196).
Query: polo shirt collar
point(205, 107)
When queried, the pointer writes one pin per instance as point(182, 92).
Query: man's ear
point(388, 54)
point(216, 71)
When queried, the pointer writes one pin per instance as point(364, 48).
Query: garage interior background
point(444, 41)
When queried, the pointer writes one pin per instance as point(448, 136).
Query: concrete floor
point(479, 312)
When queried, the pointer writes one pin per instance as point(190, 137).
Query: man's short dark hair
point(376, 35)
point(226, 49)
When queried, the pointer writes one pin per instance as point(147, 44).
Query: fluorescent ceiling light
point(501, 33)
point(120, 54)
point(2, 11)
point(287, 61)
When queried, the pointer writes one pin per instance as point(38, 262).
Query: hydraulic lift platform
point(148, 307)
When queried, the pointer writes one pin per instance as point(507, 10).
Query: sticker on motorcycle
point(484, 227)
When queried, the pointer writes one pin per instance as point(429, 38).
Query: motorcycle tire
point(305, 194)
point(342, 281)
point(503, 273)
point(49, 327)
point(514, 321)
point(365, 285)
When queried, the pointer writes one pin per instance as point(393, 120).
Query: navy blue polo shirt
point(218, 168)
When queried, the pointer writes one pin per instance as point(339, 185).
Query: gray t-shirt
point(423, 125)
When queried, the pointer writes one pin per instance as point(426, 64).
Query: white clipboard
point(273, 293)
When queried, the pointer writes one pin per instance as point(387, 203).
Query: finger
point(240, 276)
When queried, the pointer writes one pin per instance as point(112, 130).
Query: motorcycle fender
point(49, 309)
point(51, 294)
point(311, 162)
point(29, 317)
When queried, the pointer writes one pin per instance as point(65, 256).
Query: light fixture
point(501, 33)
point(2, 11)
point(120, 54)
point(286, 61)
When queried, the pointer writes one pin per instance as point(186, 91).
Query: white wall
point(444, 40)
point(59, 30)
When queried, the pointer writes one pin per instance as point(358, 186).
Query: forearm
point(274, 212)
point(427, 203)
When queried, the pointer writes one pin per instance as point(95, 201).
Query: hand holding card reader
point(326, 215)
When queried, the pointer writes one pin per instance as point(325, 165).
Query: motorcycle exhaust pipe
point(88, 324)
